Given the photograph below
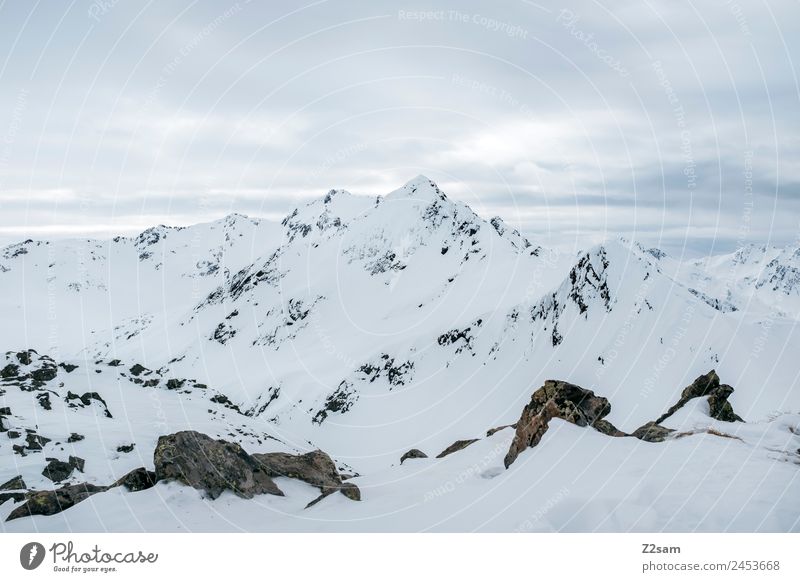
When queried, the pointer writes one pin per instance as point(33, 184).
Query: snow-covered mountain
point(370, 326)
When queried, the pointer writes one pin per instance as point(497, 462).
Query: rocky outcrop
point(557, 399)
point(52, 502)
point(652, 432)
point(315, 468)
point(209, 465)
point(717, 394)
point(456, 446)
point(137, 480)
point(413, 454)
point(60, 470)
point(14, 483)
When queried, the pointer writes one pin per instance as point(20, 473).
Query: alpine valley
point(395, 363)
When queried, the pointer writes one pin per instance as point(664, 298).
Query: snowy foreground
point(367, 327)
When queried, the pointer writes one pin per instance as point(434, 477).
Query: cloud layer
point(669, 122)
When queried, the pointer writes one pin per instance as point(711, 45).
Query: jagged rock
point(15, 483)
point(17, 496)
point(25, 357)
point(138, 369)
point(75, 437)
point(9, 371)
point(315, 468)
point(413, 454)
point(491, 431)
point(85, 399)
point(717, 395)
point(58, 470)
point(126, 448)
point(137, 480)
point(77, 462)
point(68, 368)
point(44, 374)
point(455, 447)
point(652, 432)
point(13, 434)
point(213, 466)
point(607, 428)
point(52, 502)
point(44, 400)
point(35, 442)
point(557, 399)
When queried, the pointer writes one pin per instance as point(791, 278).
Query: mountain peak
point(419, 188)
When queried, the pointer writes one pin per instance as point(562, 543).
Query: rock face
point(413, 454)
point(52, 502)
point(213, 466)
point(455, 447)
point(557, 399)
point(315, 468)
point(717, 394)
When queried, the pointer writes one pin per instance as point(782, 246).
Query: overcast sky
point(676, 123)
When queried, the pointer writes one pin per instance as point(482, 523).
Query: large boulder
point(14, 483)
point(717, 394)
point(52, 502)
point(209, 465)
point(557, 399)
point(315, 468)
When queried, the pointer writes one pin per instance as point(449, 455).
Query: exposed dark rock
point(86, 400)
point(175, 384)
point(138, 369)
point(10, 371)
point(35, 442)
point(126, 448)
point(652, 432)
point(15, 483)
point(68, 368)
point(137, 480)
point(456, 446)
point(52, 502)
point(351, 491)
point(13, 434)
point(115, 363)
point(315, 468)
point(75, 437)
point(413, 454)
point(607, 428)
point(25, 358)
point(58, 470)
point(557, 399)
point(210, 465)
point(77, 462)
point(17, 496)
point(491, 431)
point(44, 374)
point(717, 395)
point(20, 450)
point(44, 400)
